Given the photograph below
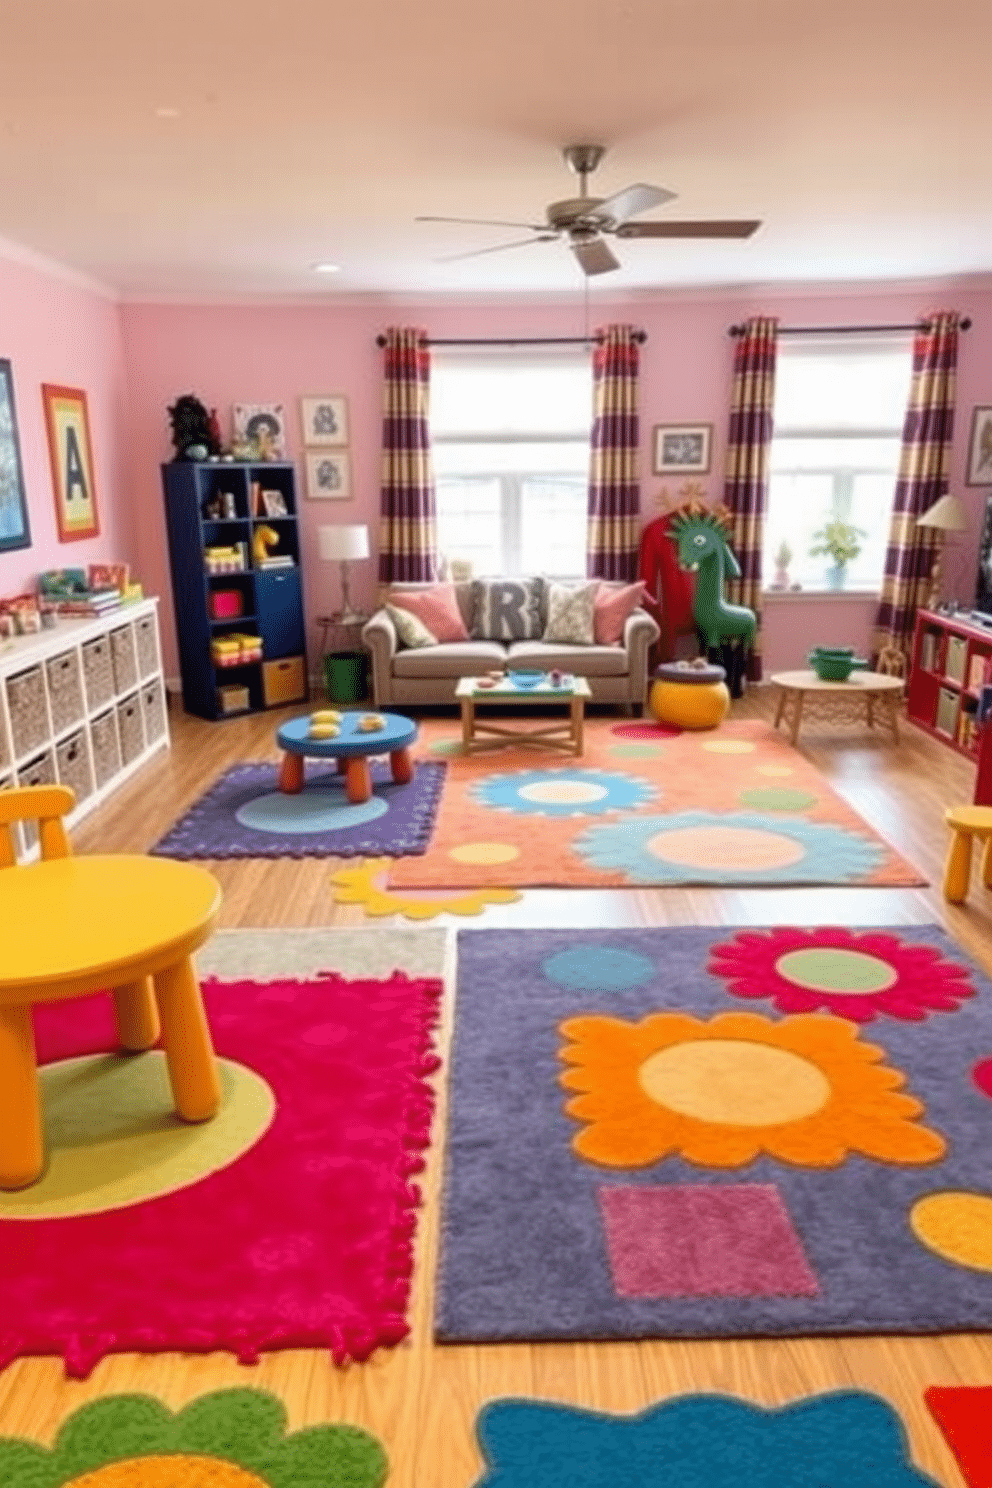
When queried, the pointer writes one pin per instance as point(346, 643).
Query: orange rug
point(644, 806)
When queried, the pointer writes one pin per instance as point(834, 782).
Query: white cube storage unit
point(82, 705)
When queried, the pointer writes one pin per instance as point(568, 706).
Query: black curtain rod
point(739, 330)
point(640, 336)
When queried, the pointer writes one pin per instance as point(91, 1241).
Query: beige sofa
point(400, 676)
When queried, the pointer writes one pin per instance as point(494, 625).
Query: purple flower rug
point(245, 815)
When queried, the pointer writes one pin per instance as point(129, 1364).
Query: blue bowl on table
point(526, 679)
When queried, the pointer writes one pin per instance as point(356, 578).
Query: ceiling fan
point(585, 220)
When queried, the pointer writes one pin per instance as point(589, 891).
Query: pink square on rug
point(696, 1240)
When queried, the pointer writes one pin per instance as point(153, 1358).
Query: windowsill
point(854, 595)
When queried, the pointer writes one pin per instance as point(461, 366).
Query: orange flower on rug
point(734, 805)
point(723, 1092)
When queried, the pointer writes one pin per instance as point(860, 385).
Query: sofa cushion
point(507, 609)
point(570, 613)
point(436, 608)
point(410, 631)
point(463, 593)
point(584, 661)
point(459, 659)
point(614, 604)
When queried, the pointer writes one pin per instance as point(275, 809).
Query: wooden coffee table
point(837, 697)
point(556, 734)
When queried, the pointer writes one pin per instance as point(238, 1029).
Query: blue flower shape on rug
point(566, 791)
point(847, 1438)
point(725, 848)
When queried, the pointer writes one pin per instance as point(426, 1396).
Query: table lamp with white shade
point(345, 544)
point(946, 515)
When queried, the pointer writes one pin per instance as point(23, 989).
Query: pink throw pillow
point(612, 608)
point(437, 608)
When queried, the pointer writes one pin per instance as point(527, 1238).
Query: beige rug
point(362, 952)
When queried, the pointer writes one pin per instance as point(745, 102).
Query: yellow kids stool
point(689, 695)
point(966, 823)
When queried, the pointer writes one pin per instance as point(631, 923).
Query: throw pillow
point(507, 609)
point(437, 608)
point(612, 610)
point(570, 613)
point(413, 633)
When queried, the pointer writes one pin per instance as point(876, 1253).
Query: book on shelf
point(979, 671)
point(278, 560)
point(928, 651)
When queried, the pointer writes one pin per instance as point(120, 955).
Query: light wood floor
point(422, 1400)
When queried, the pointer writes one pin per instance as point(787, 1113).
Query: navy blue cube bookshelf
point(213, 505)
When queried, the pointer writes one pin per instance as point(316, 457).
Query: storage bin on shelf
point(233, 699)
point(153, 709)
point(72, 765)
point(28, 710)
point(130, 727)
point(65, 689)
point(125, 661)
point(226, 604)
point(146, 641)
point(98, 672)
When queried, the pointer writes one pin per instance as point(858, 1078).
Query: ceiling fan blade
point(498, 248)
point(632, 200)
point(705, 229)
point(485, 222)
point(594, 255)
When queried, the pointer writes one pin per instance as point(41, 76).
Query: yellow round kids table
point(127, 925)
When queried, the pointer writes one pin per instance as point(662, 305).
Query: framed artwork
point(70, 450)
point(682, 449)
point(328, 476)
point(324, 420)
point(15, 530)
point(261, 427)
point(979, 472)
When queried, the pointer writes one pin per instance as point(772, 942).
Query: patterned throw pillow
point(507, 609)
point(571, 609)
point(413, 633)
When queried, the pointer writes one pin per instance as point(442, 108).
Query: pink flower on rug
point(304, 1240)
point(853, 975)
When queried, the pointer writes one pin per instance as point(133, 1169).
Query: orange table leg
point(137, 1016)
point(22, 1154)
point(186, 1037)
point(291, 774)
point(358, 781)
point(402, 766)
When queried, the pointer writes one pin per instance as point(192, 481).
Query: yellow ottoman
point(966, 822)
point(689, 696)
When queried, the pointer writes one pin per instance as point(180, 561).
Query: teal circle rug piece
point(310, 811)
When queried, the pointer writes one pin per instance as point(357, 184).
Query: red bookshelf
point(952, 661)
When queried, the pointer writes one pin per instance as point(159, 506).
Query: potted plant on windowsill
point(838, 540)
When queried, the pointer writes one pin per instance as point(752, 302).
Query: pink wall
point(228, 354)
point(55, 330)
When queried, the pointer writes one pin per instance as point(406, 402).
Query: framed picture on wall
point(70, 451)
point(682, 449)
point(262, 428)
point(979, 471)
point(15, 530)
point(324, 419)
point(328, 475)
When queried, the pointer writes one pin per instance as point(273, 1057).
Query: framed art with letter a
point(71, 453)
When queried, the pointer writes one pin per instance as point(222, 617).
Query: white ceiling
point(310, 130)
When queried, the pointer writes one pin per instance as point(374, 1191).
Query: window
point(510, 436)
point(839, 410)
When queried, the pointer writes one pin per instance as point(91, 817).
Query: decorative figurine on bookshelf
point(263, 539)
point(193, 436)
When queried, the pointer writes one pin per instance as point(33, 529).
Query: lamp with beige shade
point(946, 515)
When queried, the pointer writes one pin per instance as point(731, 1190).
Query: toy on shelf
point(701, 534)
point(263, 538)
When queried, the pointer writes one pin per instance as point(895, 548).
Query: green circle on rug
point(445, 746)
point(833, 969)
point(308, 811)
point(777, 798)
point(636, 751)
point(113, 1137)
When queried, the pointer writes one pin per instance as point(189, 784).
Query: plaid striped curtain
point(408, 531)
point(613, 532)
point(923, 473)
point(749, 442)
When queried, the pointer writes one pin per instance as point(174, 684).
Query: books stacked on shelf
point(278, 560)
point(232, 559)
point(95, 602)
point(235, 649)
point(979, 671)
point(929, 642)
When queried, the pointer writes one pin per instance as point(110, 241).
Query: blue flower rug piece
point(846, 1439)
point(245, 815)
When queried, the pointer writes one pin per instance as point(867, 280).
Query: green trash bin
point(345, 674)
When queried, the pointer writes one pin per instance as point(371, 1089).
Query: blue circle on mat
point(598, 969)
point(310, 811)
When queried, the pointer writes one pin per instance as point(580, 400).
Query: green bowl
point(835, 666)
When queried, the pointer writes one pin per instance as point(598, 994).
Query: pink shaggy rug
point(304, 1240)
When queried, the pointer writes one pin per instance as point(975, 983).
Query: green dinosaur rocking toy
point(701, 534)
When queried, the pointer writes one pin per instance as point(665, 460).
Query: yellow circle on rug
point(563, 792)
point(113, 1137)
point(734, 1082)
point(168, 1471)
point(833, 969)
point(729, 746)
point(725, 848)
point(484, 852)
point(957, 1227)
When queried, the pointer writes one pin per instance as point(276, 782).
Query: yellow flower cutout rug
point(717, 1133)
point(230, 1439)
point(367, 885)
